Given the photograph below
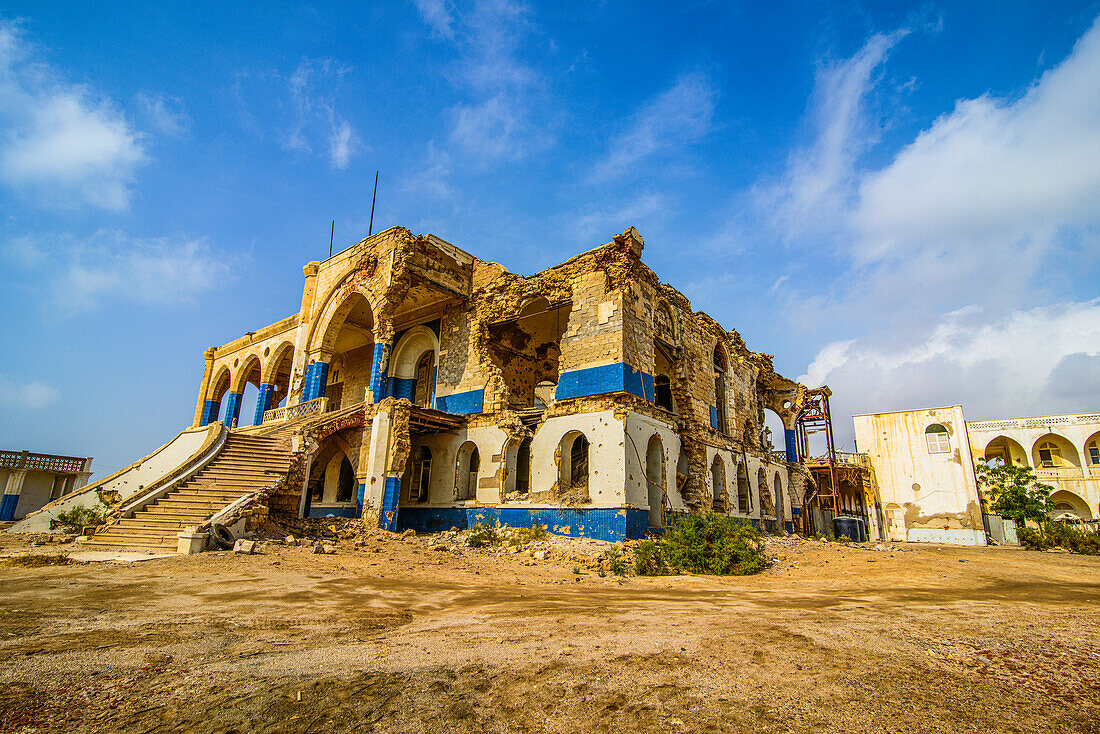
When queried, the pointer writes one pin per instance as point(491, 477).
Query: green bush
point(615, 562)
point(523, 536)
point(482, 535)
point(648, 560)
point(712, 544)
point(74, 520)
point(1060, 535)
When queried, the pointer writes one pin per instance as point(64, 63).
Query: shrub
point(648, 560)
point(75, 519)
point(1060, 535)
point(713, 544)
point(482, 535)
point(615, 562)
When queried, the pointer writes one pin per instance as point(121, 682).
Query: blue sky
point(899, 200)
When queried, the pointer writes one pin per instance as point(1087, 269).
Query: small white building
point(924, 465)
point(30, 481)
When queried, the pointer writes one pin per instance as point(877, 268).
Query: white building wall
point(927, 497)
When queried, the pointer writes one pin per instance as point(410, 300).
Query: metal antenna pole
point(330, 234)
point(370, 228)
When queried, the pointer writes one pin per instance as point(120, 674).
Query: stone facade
point(426, 388)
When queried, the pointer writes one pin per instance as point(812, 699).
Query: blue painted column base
point(210, 412)
point(390, 497)
point(7, 507)
point(379, 371)
point(263, 403)
point(232, 409)
point(315, 380)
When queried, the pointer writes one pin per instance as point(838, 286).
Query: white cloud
point(815, 193)
point(80, 274)
point(994, 171)
point(166, 113)
point(1025, 362)
point(34, 395)
point(678, 116)
point(438, 15)
point(591, 227)
point(59, 143)
point(312, 90)
point(500, 117)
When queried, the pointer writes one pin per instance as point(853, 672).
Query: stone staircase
point(244, 465)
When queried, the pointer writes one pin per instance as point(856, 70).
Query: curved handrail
point(166, 485)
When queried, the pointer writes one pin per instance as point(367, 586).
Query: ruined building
point(420, 387)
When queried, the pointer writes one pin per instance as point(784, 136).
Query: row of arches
point(1050, 451)
point(259, 382)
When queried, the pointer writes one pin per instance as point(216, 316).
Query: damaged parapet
point(428, 389)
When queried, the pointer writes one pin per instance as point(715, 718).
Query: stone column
point(383, 345)
point(11, 492)
point(263, 402)
point(315, 380)
point(201, 409)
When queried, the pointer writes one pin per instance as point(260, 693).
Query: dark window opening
point(346, 486)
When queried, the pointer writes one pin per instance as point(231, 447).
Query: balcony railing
point(294, 412)
point(1040, 422)
point(41, 462)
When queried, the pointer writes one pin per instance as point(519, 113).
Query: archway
point(573, 450)
point(721, 366)
point(718, 484)
point(332, 481)
point(347, 346)
point(413, 366)
point(1004, 450)
point(517, 469)
point(1054, 452)
point(219, 386)
point(277, 370)
point(1092, 450)
point(247, 388)
point(466, 471)
point(655, 481)
point(744, 493)
point(774, 436)
point(1065, 503)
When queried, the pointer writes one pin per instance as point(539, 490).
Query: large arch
point(413, 366)
point(274, 359)
point(1063, 501)
point(278, 369)
point(1005, 450)
point(341, 301)
point(347, 345)
point(1052, 451)
point(655, 481)
point(215, 391)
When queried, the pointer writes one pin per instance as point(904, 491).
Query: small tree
point(1013, 491)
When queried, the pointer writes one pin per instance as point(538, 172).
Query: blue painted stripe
point(361, 498)
point(462, 403)
point(791, 439)
point(210, 412)
point(232, 409)
point(7, 507)
point(603, 523)
point(379, 369)
point(400, 387)
point(391, 495)
point(616, 377)
point(316, 377)
point(263, 403)
point(714, 417)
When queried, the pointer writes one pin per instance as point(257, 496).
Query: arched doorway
point(718, 484)
point(573, 451)
point(655, 481)
point(413, 366)
point(347, 346)
point(466, 471)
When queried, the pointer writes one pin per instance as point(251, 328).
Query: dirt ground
point(419, 635)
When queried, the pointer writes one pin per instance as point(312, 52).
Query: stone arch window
point(937, 438)
point(655, 480)
point(1092, 451)
point(744, 493)
point(1053, 452)
point(718, 484)
point(466, 473)
point(573, 450)
point(721, 366)
point(422, 387)
point(1003, 450)
point(421, 475)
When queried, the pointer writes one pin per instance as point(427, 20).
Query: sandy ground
point(395, 635)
